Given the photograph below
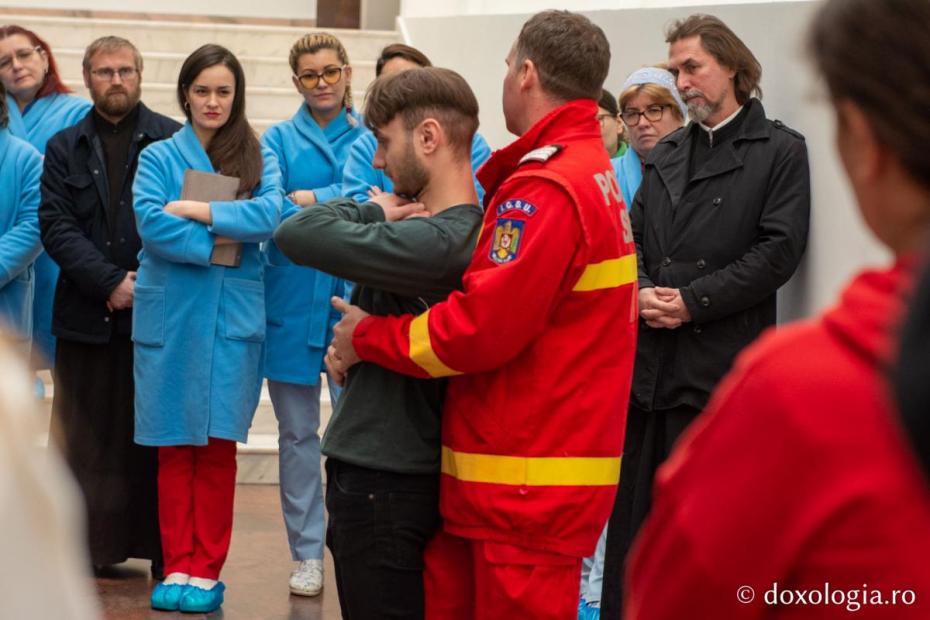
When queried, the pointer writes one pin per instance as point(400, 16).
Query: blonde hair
point(313, 42)
point(657, 93)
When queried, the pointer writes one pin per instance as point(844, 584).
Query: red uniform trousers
point(482, 580)
point(196, 487)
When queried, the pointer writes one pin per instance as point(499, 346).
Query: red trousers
point(196, 487)
point(481, 580)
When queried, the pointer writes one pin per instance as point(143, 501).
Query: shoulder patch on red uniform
point(520, 206)
point(508, 236)
point(542, 154)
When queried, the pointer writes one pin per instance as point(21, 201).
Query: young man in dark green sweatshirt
point(383, 441)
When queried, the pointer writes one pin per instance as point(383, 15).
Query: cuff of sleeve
point(288, 208)
point(697, 307)
point(113, 279)
point(371, 212)
point(359, 341)
point(199, 246)
point(225, 218)
point(322, 194)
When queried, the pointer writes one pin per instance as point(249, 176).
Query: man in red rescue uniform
point(539, 346)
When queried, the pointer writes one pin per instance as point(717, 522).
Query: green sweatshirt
point(385, 420)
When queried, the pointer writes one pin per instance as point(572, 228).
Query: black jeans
point(379, 524)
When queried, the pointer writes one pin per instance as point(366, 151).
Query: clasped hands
point(663, 307)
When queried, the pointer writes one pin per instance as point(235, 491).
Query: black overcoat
point(728, 235)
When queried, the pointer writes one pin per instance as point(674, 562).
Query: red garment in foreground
point(541, 341)
point(797, 475)
point(196, 490)
point(467, 579)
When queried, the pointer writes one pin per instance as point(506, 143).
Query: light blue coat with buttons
point(198, 328)
point(41, 120)
point(20, 170)
point(629, 172)
point(299, 314)
point(360, 175)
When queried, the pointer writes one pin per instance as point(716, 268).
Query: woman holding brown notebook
point(199, 324)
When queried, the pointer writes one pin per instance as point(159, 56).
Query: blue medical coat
point(43, 118)
point(629, 173)
point(299, 315)
point(360, 174)
point(198, 328)
point(20, 170)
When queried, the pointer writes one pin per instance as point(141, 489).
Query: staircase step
point(179, 37)
point(260, 71)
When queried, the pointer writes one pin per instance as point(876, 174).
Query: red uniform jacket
point(540, 343)
point(797, 475)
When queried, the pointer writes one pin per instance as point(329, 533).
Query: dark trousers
point(93, 421)
point(650, 437)
point(379, 524)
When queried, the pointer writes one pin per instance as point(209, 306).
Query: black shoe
point(158, 570)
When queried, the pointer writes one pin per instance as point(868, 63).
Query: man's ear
point(528, 74)
point(429, 136)
point(86, 79)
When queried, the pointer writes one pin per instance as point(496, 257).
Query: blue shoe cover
point(589, 612)
point(202, 601)
point(167, 598)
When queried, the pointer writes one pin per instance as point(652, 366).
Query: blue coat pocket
point(244, 309)
point(148, 315)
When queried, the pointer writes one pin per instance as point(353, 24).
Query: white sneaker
point(307, 578)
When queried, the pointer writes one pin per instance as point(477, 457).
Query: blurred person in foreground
point(43, 564)
point(797, 481)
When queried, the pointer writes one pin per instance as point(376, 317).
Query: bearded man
point(720, 223)
point(88, 228)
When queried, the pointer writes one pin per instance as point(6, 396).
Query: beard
point(116, 102)
point(410, 177)
point(700, 112)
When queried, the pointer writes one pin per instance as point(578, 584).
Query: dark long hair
point(52, 83)
point(234, 148)
point(891, 87)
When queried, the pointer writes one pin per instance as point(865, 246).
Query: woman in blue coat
point(20, 169)
point(311, 149)
point(39, 106)
point(198, 326)
point(360, 177)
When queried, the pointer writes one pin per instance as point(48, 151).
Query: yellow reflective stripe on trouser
point(531, 471)
point(608, 274)
point(421, 349)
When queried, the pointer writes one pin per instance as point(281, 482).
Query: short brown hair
point(110, 44)
point(729, 50)
point(418, 94)
point(399, 50)
point(846, 34)
point(570, 52)
point(657, 93)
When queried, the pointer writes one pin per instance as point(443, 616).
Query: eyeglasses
point(652, 113)
point(330, 75)
point(22, 55)
point(601, 118)
point(107, 73)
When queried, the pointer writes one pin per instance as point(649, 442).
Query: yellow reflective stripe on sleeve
point(608, 274)
point(421, 349)
point(531, 471)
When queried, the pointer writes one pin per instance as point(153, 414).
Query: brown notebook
point(207, 187)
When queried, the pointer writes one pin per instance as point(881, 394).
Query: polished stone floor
point(256, 573)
